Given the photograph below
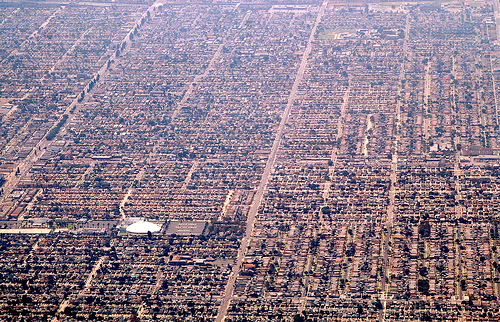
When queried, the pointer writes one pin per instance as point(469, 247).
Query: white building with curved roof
point(143, 227)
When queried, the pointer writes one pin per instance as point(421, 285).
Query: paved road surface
point(252, 214)
point(393, 178)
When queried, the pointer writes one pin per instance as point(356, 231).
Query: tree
point(423, 286)
point(298, 318)
point(424, 229)
point(350, 250)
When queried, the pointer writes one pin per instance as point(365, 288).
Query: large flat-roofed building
point(186, 228)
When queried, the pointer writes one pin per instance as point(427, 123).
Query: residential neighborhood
point(253, 161)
